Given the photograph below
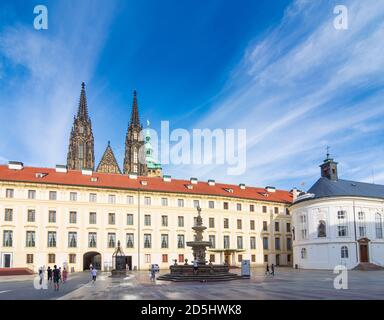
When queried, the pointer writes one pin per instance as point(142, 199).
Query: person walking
point(272, 269)
point(49, 274)
point(94, 274)
point(267, 270)
point(56, 277)
point(153, 273)
point(60, 275)
point(65, 275)
point(195, 267)
point(41, 276)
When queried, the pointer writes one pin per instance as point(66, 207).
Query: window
point(130, 200)
point(180, 203)
point(31, 194)
point(240, 258)
point(164, 202)
point(9, 193)
point(264, 209)
point(344, 252)
point(147, 258)
point(196, 203)
point(303, 226)
point(92, 218)
point(111, 240)
point(226, 242)
point(252, 224)
point(211, 222)
point(342, 231)
point(72, 217)
point(212, 240)
point(277, 227)
point(72, 258)
point(73, 196)
point(212, 258)
point(226, 223)
point(277, 243)
point(164, 221)
point(8, 215)
point(31, 215)
point(265, 243)
point(180, 221)
point(92, 197)
point(147, 241)
point(29, 258)
point(147, 201)
point(253, 242)
point(211, 204)
point(52, 216)
point(52, 195)
point(288, 258)
point(265, 226)
point(303, 253)
point(226, 205)
point(92, 239)
point(180, 241)
point(252, 208)
point(111, 218)
point(238, 206)
point(362, 231)
point(72, 239)
point(288, 227)
point(361, 215)
point(181, 258)
point(303, 234)
point(287, 211)
point(289, 244)
point(130, 240)
point(239, 224)
point(30, 239)
point(51, 258)
point(130, 219)
point(164, 258)
point(276, 210)
point(111, 199)
point(147, 220)
point(164, 241)
point(321, 229)
point(379, 226)
point(51, 239)
point(341, 214)
point(253, 258)
point(265, 258)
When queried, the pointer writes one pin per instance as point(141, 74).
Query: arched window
point(344, 252)
point(81, 150)
point(321, 229)
point(303, 253)
point(379, 226)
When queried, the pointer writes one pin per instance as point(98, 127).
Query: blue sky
point(279, 69)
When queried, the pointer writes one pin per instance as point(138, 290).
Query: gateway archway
point(93, 258)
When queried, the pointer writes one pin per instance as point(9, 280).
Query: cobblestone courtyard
point(286, 284)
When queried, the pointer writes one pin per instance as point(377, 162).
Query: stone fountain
point(205, 272)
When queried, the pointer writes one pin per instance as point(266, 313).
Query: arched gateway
point(93, 258)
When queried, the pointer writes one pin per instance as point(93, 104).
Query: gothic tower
point(329, 168)
point(108, 163)
point(81, 146)
point(134, 160)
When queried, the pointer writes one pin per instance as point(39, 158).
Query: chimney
point(167, 178)
point(61, 168)
point(132, 176)
point(270, 189)
point(194, 180)
point(295, 193)
point(86, 172)
point(211, 182)
point(242, 186)
point(15, 165)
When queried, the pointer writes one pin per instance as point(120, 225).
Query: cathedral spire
point(135, 121)
point(82, 111)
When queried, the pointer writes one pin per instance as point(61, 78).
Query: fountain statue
point(204, 272)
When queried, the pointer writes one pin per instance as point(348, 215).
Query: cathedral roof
point(108, 163)
point(155, 184)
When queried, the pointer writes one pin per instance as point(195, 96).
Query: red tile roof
point(118, 181)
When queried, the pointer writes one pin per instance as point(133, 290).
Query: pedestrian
point(60, 275)
point(49, 274)
point(65, 274)
point(267, 270)
point(56, 277)
point(94, 274)
point(272, 269)
point(90, 267)
point(195, 267)
point(153, 273)
point(41, 276)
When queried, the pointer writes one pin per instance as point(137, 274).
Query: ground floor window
point(265, 258)
point(288, 257)
point(51, 258)
point(147, 258)
point(181, 258)
point(72, 258)
point(165, 258)
point(240, 258)
point(303, 253)
point(212, 258)
point(253, 258)
point(29, 258)
point(344, 252)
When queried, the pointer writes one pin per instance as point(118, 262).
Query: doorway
point(364, 253)
point(93, 258)
point(227, 259)
point(128, 261)
point(277, 259)
point(7, 260)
